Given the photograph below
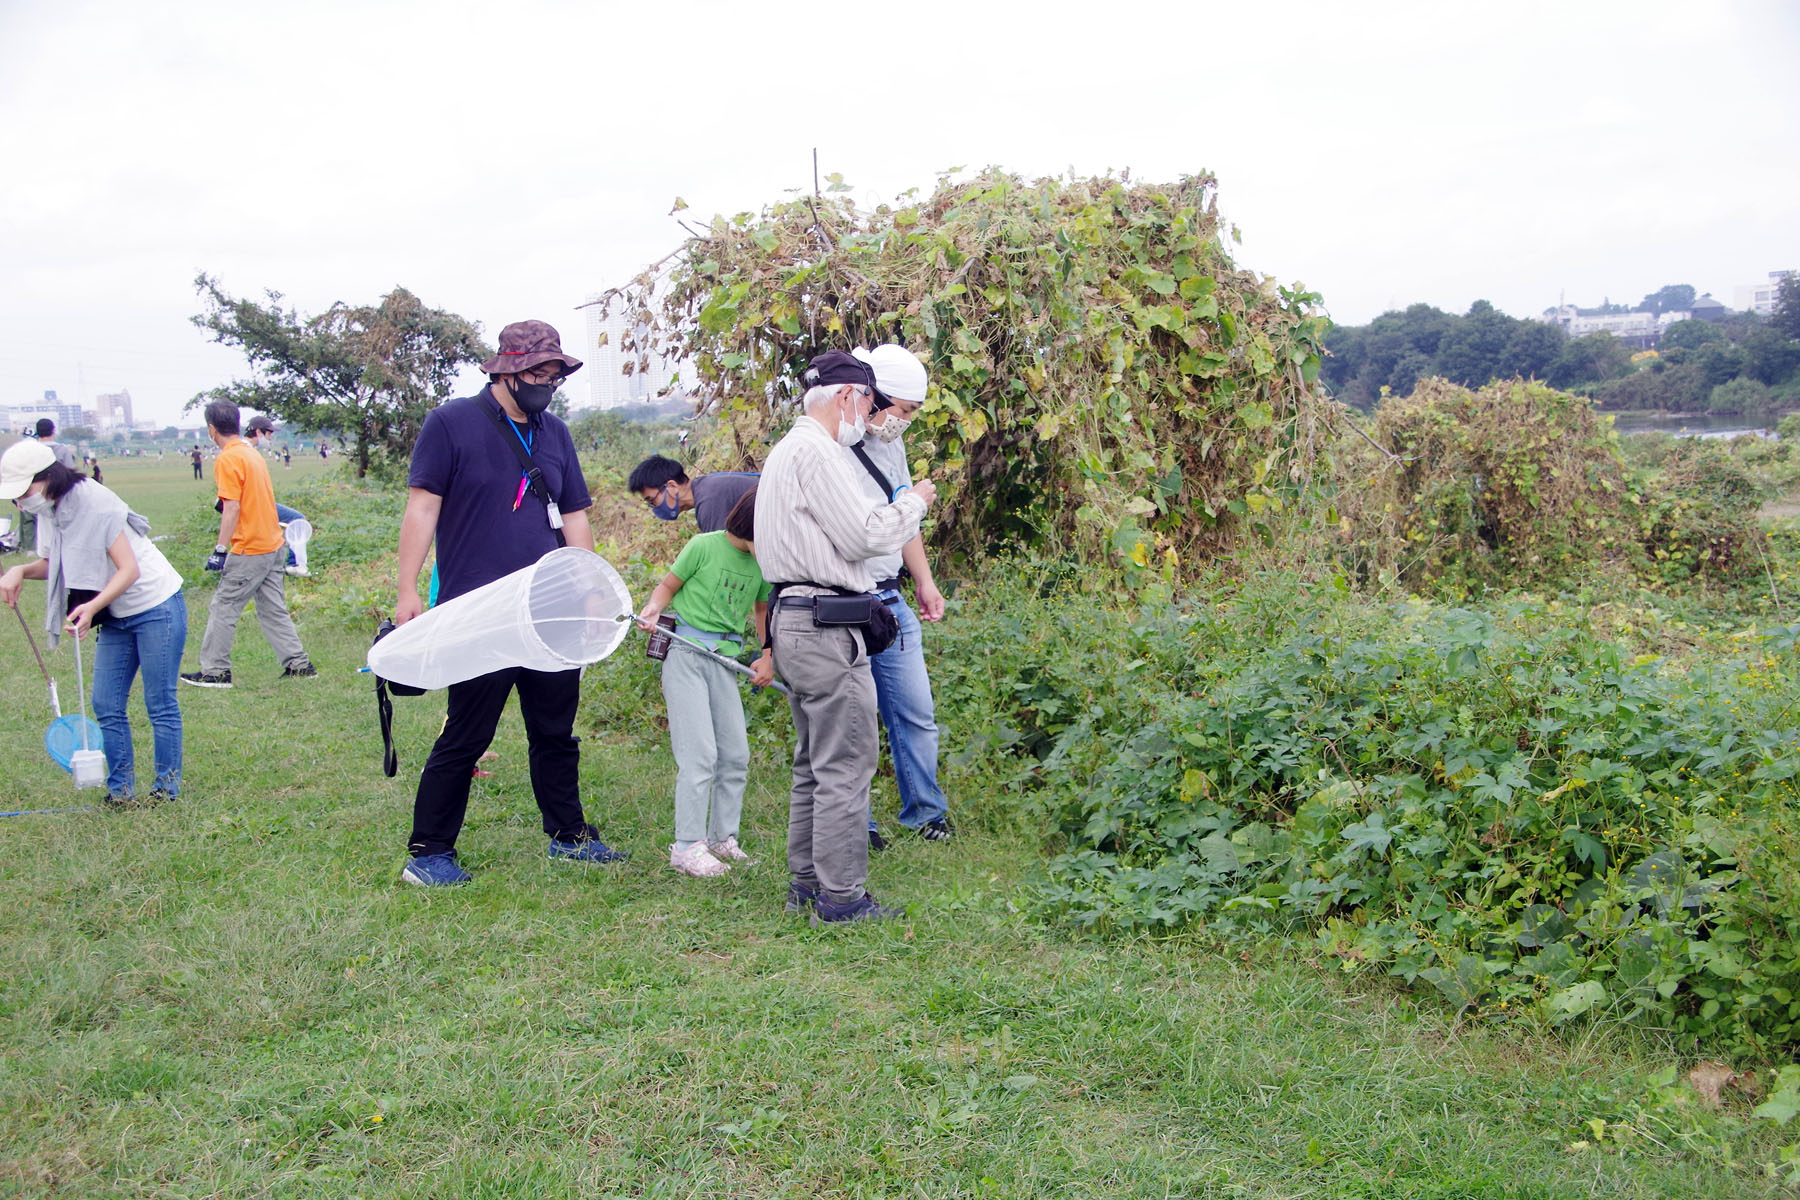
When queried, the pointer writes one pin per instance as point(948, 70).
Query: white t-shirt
point(156, 581)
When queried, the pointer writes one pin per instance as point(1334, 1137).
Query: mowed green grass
point(235, 996)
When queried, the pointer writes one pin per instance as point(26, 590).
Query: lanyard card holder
point(534, 477)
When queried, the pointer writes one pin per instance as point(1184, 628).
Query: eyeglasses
point(536, 375)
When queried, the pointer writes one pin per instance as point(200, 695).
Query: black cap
point(838, 367)
point(45, 427)
point(260, 424)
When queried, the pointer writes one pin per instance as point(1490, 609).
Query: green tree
point(75, 433)
point(1787, 307)
point(1591, 359)
point(1531, 349)
point(1675, 297)
point(369, 373)
point(1770, 356)
point(1470, 352)
point(1719, 362)
point(1689, 335)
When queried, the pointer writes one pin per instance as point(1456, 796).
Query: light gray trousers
point(835, 743)
point(248, 577)
point(710, 744)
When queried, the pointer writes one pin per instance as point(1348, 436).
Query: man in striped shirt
point(814, 533)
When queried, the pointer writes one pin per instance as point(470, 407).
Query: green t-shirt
point(720, 584)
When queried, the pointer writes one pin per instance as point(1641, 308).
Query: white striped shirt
point(813, 521)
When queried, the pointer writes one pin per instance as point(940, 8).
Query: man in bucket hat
point(468, 490)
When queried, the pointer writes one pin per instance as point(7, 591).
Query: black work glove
point(216, 560)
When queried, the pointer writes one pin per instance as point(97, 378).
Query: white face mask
point(39, 503)
point(849, 434)
point(891, 431)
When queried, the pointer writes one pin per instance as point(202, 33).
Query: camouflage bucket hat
point(525, 344)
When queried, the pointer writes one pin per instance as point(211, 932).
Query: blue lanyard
point(524, 476)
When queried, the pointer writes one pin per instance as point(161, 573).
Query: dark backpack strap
point(881, 481)
point(533, 475)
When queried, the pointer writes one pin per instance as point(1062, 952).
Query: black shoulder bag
point(384, 708)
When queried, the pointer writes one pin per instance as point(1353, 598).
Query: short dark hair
point(655, 472)
point(740, 522)
point(222, 415)
point(57, 480)
point(46, 427)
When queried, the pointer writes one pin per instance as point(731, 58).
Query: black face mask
point(532, 398)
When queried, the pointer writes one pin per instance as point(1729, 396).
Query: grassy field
point(235, 996)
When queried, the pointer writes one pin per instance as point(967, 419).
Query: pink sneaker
point(729, 851)
point(696, 860)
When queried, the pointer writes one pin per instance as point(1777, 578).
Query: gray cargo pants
point(835, 744)
point(248, 577)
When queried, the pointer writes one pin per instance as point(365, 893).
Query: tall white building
point(609, 386)
point(114, 409)
point(1761, 297)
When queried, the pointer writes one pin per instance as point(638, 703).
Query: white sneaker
point(696, 860)
point(729, 851)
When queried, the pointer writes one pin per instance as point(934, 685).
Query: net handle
point(81, 692)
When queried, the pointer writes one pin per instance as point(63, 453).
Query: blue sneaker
point(863, 908)
point(435, 870)
point(591, 851)
point(800, 897)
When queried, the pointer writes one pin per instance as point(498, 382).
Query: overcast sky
point(504, 160)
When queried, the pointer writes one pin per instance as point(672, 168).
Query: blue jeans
point(151, 641)
point(903, 695)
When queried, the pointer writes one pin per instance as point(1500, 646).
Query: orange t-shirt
point(240, 474)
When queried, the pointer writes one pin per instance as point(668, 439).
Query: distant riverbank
point(1707, 425)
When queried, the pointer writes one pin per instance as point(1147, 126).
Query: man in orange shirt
point(250, 557)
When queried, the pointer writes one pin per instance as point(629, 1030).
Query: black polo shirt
point(461, 455)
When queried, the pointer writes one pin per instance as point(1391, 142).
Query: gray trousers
point(248, 577)
point(835, 743)
point(710, 744)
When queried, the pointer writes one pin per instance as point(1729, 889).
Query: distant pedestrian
point(197, 462)
point(250, 557)
point(46, 434)
point(101, 571)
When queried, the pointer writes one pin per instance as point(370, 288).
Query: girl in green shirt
point(713, 589)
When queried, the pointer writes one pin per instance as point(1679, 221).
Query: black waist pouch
point(865, 611)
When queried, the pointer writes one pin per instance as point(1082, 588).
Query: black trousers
point(547, 700)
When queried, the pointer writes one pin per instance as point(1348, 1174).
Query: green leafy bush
point(1504, 807)
point(1698, 515)
point(1507, 484)
point(1104, 376)
point(1739, 395)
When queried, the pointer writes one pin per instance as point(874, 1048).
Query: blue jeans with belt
point(151, 643)
point(903, 695)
